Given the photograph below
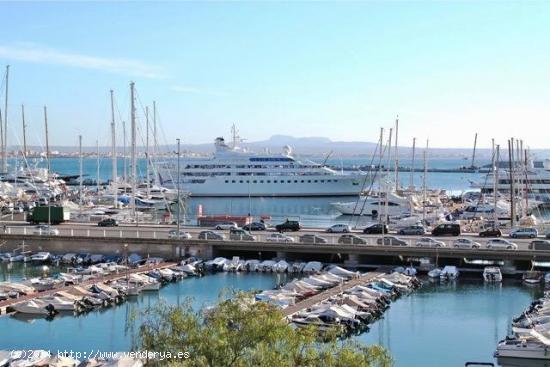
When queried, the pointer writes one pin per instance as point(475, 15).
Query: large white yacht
point(235, 171)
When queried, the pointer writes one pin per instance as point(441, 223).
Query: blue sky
point(334, 69)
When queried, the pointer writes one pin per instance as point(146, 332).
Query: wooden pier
point(4, 305)
point(323, 296)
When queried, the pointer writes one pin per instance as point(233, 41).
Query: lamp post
point(178, 188)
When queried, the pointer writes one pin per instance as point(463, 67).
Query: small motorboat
point(449, 273)
point(492, 274)
point(434, 273)
point(533, 277)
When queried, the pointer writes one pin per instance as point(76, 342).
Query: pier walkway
point(4, 305)
point(323, 296)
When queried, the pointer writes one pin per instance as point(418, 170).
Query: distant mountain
point(308, 146)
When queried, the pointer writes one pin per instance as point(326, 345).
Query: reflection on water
point(450, 324)
point(112, 328)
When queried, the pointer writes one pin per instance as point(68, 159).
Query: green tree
point(239, 333)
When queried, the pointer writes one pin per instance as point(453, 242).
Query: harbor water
point(418, 329)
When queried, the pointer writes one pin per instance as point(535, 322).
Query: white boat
point(267, 265)
point(60, 303)
point(313, 267)
point(33, 307)
point(234, 171)
point(280, 267)
point(533, 277)
point(41, 257)
point(410, 271)
point(252, 265)
point(434, 273)
point(522, 349)
point(396, 205)
point(492, 274)
point(449, 273)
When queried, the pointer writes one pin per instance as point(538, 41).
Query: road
point(144, 231)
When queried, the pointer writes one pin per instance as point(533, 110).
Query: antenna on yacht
point(235, 135)
point(327, 157)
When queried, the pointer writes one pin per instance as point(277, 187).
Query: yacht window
point(302, 181)
point(268, 181)
point(289, 181)
point(261, 181)
point(315, 181)
point(226, 181)
point(308, 181)
point(275, 181)
point(241, 181)
point(254, 181)
point(232, 181)
point(247, 181)
point(322, 181)
point(295, 181)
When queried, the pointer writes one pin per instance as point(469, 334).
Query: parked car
point(539, 245)
point(255, 226)
point(465, 243)
point(446, 229)
point(182, 235)
point(500, 243)
point(226, 225)
point(238, 234)
point(524, 232)
point(108, 222)
point(44, 229)
point(339, 228)
point(377, 228)
point(211, 235)
point(412, 230)
point(351, 239)
point(391, 241)
point(288, 226)
point(279, 237)
point(312, 238)
point(490, 232)
point(429, 242)
point(548, 235)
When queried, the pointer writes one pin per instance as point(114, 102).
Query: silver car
point(466, 243)
point(501, 244)
point(429, 242)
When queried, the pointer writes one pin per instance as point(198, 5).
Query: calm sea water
point(439, 325)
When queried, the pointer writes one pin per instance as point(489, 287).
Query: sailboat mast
point(474, 152)
point(124, 166)
point(495, 182)
point(5, 142)
point(412, 164)
point(24, 136)
point(97, 166)
point(113, 153)
point(387, 188)
point(80, 172)
point(147, 150)
point(47, 139)
point(424, 183)
point(133, 146)
point(396, 153)
point(155, 141)
point(380, 172)
point(512, 193)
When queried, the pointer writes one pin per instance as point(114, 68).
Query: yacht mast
point(512, 194)
point(412, 164)
point(113, 154)
point(424, 183)
point(47, 140)
point(24, 136)
point(388, 188)
point(155, 141)
point(396, 153)
point(495, 183)
point(380, 173)
point(147, 151)
point(5, 141)
point(124, 166)
point(133, 147)
point(80, 173)
point(474, 153)
point(97, 164)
